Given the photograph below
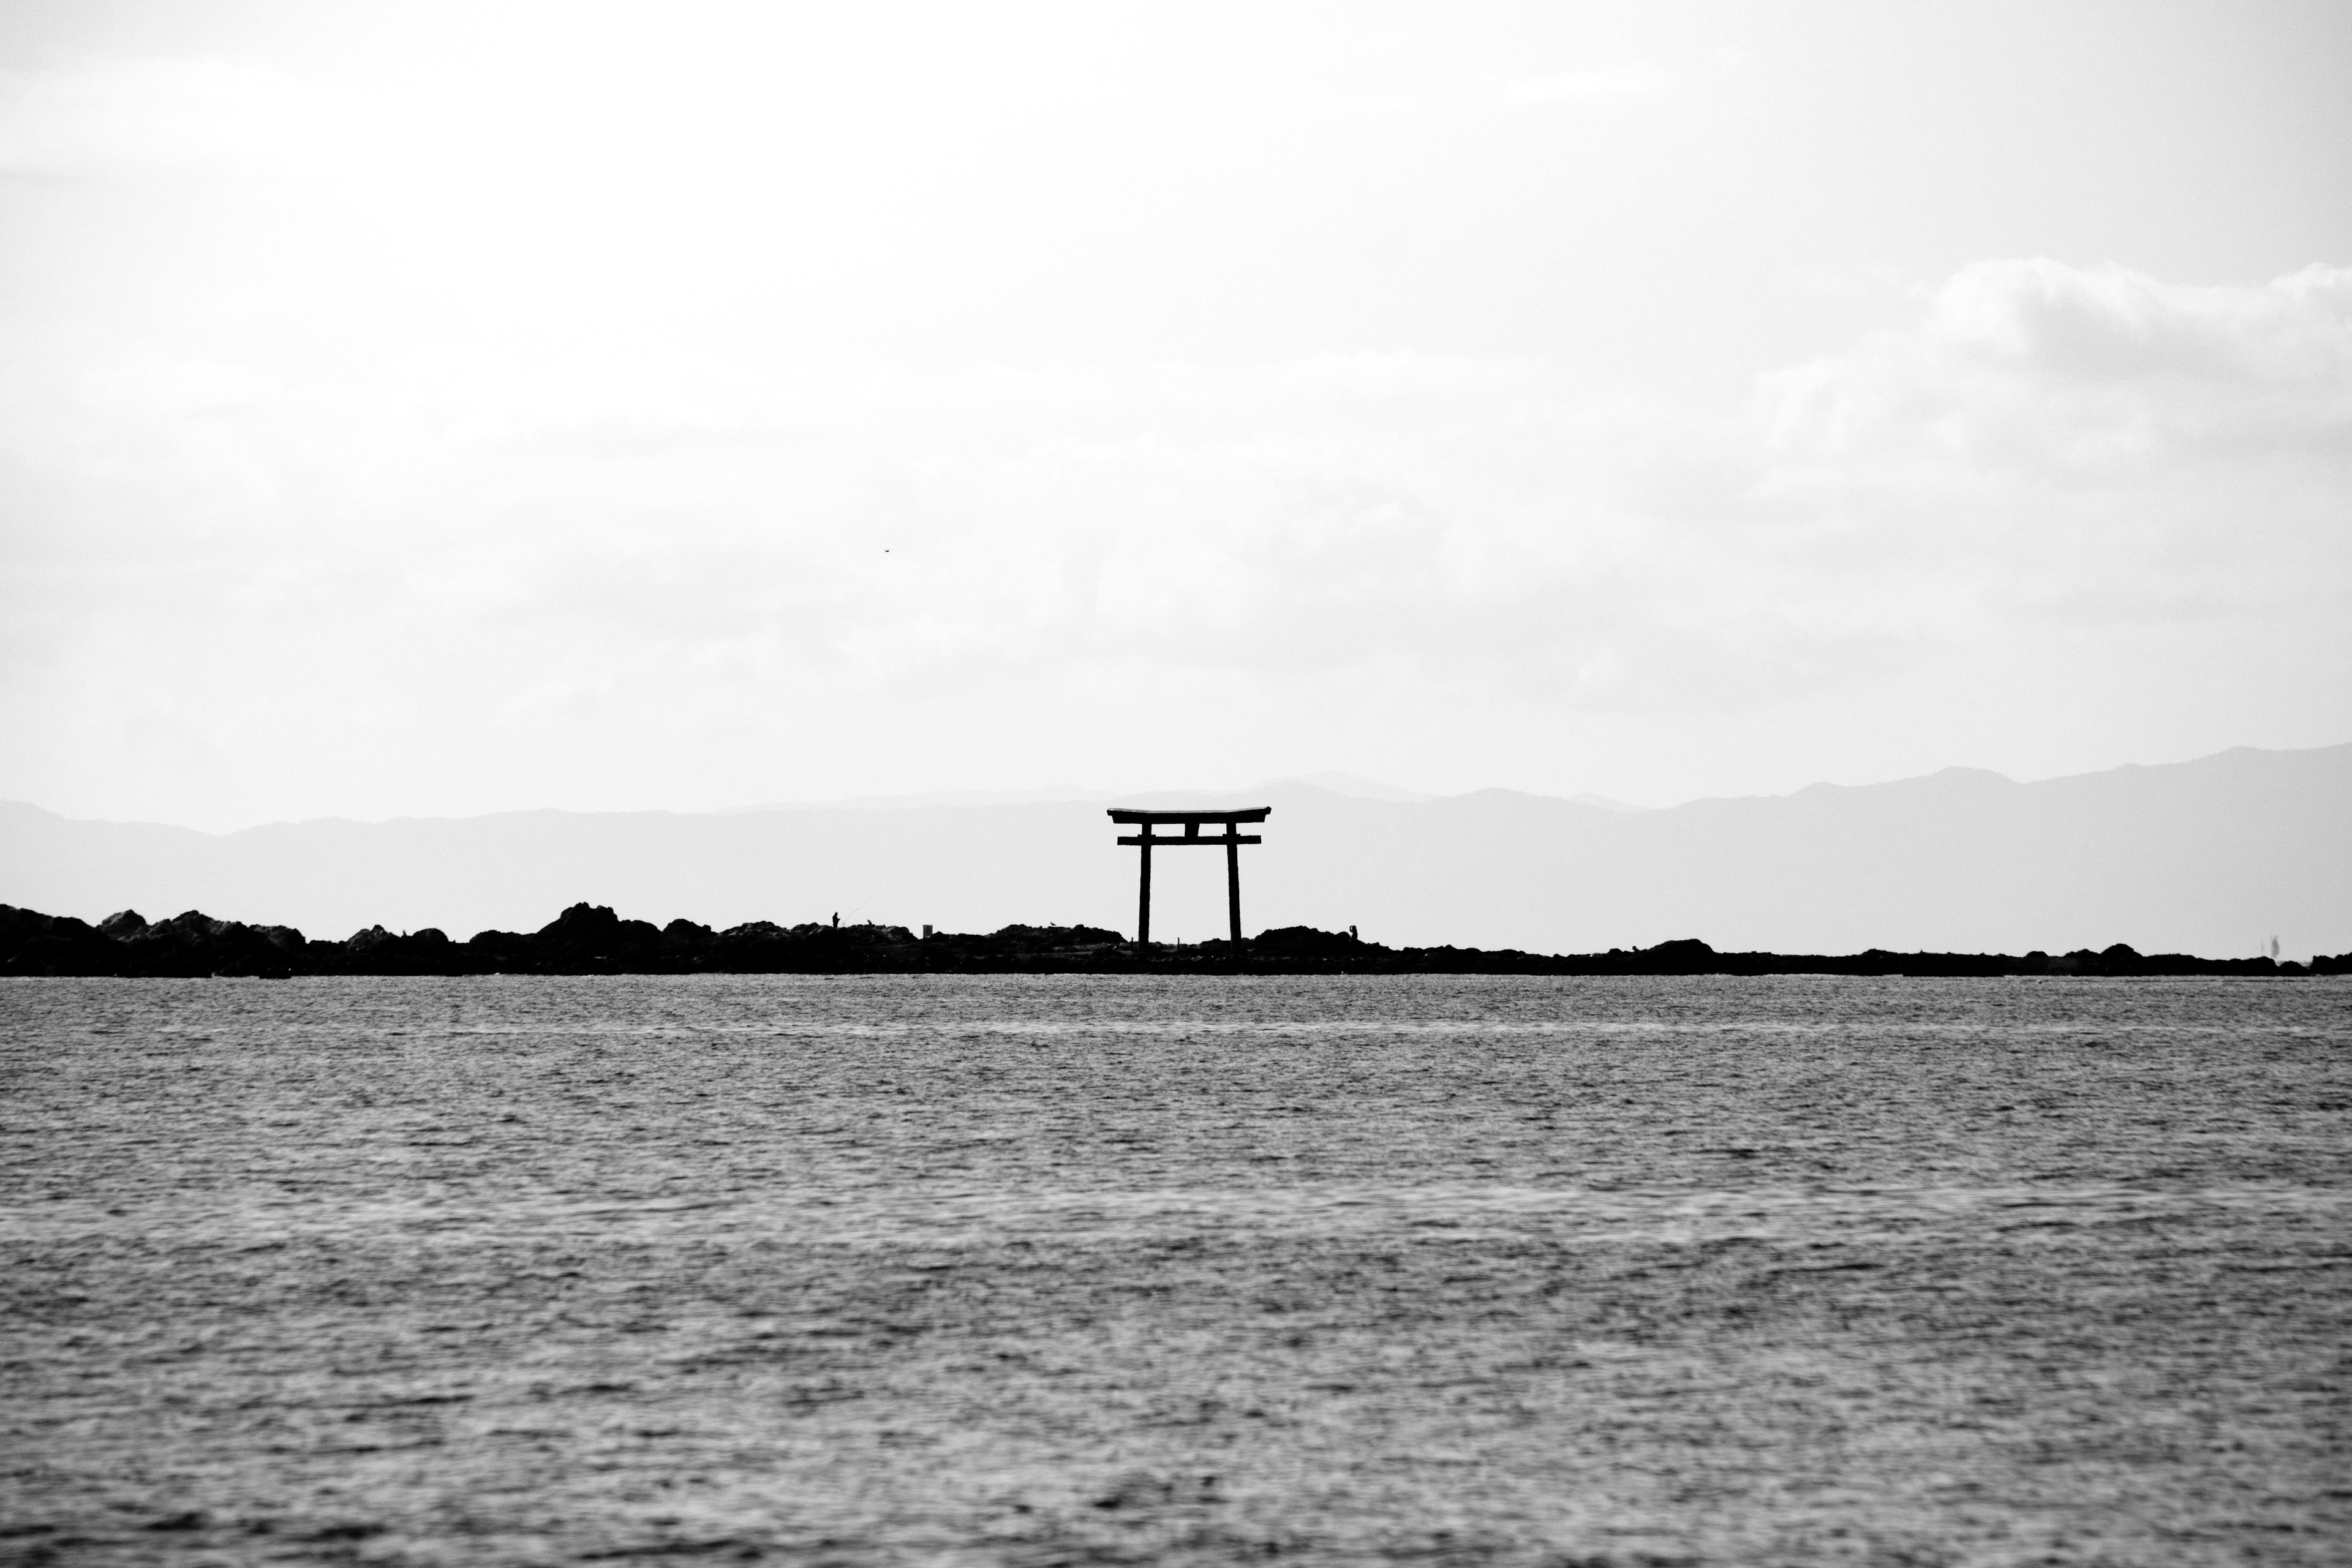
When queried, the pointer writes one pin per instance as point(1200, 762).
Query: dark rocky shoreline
point(590, 940)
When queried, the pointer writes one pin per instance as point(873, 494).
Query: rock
point(35, 943)
point(193, 926)
point(1029, 936)
point(499, 952)
point(592, 938)
point(122, 925)
point(1303, 941)
point(582, 924)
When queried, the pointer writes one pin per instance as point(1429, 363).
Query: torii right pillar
point(1232, 838)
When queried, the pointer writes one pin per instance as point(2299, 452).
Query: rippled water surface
point(1045, 1270)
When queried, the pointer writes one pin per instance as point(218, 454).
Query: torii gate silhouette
point(1234, 838)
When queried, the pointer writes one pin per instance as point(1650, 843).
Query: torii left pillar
point(1232, 838)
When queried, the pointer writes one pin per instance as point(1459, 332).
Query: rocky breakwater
point(586, 938)
point(124, 943)
point(589, 939)
point(1305, 950)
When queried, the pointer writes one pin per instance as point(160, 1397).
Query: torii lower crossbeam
point(1232, 838)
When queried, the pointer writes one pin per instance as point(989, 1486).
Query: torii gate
point(1233, 840)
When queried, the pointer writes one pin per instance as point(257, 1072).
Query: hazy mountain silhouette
point(1056, 795)
point(1355, 786)
point(2212, 856)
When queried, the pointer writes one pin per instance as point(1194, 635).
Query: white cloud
point(2074, 383)
point(1380, 106)
point(560, 550)
point(117, 117)
point(2108, 325)
point(1575, 86)
point(2071, 452)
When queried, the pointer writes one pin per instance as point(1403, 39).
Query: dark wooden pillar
point(1143, 897)
point(1233, 883)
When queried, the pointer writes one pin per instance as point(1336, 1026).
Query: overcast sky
point(416, 410)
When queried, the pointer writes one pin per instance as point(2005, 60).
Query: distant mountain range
point(1353, 785)
point(2214, 858)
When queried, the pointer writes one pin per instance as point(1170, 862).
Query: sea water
point(1063, 1270)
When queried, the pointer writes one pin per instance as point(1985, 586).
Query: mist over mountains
point(2213, 856)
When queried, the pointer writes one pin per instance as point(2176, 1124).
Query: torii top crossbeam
point(1232, 838)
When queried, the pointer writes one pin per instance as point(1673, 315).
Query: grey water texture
point(963, 1269)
